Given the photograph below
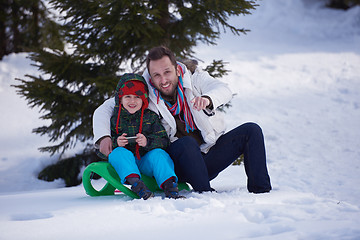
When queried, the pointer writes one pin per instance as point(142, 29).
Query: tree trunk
point(35, 22)
point(4, 5)
point(164, 21)
point(14, 28)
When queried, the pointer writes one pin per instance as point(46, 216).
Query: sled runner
point(106, 171)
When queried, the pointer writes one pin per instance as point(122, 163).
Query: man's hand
point(106, 146)
point(200, 103)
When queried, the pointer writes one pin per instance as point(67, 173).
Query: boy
point(144, 153)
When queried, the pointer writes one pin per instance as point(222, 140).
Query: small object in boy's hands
point(131, 139)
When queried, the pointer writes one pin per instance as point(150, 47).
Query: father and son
point(172, 113)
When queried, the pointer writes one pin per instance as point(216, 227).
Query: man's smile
point(166, 85)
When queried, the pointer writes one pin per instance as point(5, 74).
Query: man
point(187, 104)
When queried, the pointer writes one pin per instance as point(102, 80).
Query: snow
point(296, 74)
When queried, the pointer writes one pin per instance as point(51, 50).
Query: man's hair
point(157, 53)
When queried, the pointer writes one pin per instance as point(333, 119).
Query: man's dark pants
point(197, 168)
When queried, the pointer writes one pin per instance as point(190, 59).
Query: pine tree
point(114, 32)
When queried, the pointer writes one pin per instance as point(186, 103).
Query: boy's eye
point(131, 96)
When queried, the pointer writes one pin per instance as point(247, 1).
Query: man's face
point(165, 76)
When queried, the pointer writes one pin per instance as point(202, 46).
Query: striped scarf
point(180, 106)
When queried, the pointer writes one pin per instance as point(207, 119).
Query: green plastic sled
point(106, 171)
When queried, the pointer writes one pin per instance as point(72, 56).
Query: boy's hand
point(121, 140)
point(141, 139)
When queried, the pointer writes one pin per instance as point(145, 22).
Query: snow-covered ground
point(297, 74)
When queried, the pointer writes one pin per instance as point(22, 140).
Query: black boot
point(141, 190)
point(171, 189)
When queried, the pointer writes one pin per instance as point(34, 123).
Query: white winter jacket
point(210, 123)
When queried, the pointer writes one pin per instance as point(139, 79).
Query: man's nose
point(162, 79)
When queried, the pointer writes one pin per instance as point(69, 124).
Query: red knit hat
point(132, 84)
point(135, 87)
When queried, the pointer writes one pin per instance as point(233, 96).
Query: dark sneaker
point(171, 190)
point(141, 190)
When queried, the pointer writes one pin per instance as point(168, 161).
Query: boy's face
point(132, 103)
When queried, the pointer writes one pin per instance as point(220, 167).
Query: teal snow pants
point(155, 163)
